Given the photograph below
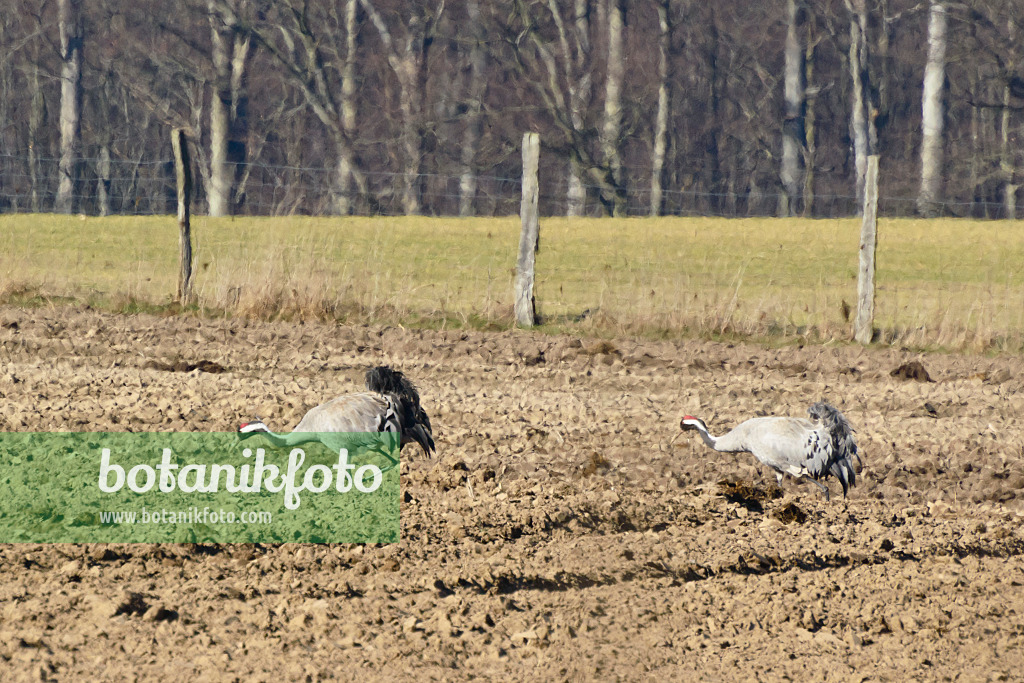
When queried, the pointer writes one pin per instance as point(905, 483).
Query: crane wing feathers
point(371, 412)
point(819, 447)
point(364, 412)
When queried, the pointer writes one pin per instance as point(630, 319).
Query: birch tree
point(810, 131)
point(228, 105)
point(932, 112)
point(793, 123)
point(861, 123)
point(36, 122)
point(579, 81)
point(553, 55)
point(69, 22)
point(556, 63)
point(611, 129)
point(1006, 165)
point(474, 109)
point(407, 45)
point(315, 48)
point(661, 117)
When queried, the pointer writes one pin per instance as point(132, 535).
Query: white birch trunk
point(611, 129)
point(932, 112)
point(858, 100)
point(343, 204)
point(792, 127)
point(70, 25)
point(227, 111)
point(474, 108)
point(662, 115)
point(1006, 165)
point(579, 94)
point(37, 114)
point(409, 61)
point(810, 95)
point(219, 190)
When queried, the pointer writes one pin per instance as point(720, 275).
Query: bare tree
point(304, 40)
point(579, 81)
point(346, 171)
point(1006, 165)
point(861, 122)
point(407, 56)
point(36, 123)
point(661, 118)
point(474, 109)
point(810, 131)
point(556, 64)
point(611, 128)
point(71, 39)
point(932, 112)
point(793, 123)
point(228, 110)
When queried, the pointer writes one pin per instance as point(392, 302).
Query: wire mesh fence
point(147, 187)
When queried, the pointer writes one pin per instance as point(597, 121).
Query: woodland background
point(664, 107)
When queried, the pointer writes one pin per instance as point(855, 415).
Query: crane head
point(689, 422)
point(247, 429)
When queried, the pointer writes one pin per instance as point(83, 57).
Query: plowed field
point(559, 534)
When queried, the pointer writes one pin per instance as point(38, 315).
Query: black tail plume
point(844, 447)
point(415, 423)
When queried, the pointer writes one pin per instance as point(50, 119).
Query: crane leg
point(384, 452)
point(824, 489)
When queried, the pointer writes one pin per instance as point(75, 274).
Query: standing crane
point(814, 448)
point(389, 404)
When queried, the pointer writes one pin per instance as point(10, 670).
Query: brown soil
point(559, 534)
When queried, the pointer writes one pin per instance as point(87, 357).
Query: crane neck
point(287, 440)
point(735, 441)
point(711, 441)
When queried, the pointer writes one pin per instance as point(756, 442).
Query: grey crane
point(389, 404)
point(814, 448)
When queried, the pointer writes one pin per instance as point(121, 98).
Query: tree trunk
point(793, 124)
point(662, 115)
point(1006, 165)
point(36, 122)
point(409, 62)
point(474, 110)
point(974, 169)
point(219, 190)
point(859, 119)
point(295, 44)
point(809, 146)
point(932, 112)
point(228, 111)
point(343, 205)
point(611, 129)
point(70, 21)
point(580, 84)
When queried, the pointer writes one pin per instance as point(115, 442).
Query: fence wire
point(147, 187)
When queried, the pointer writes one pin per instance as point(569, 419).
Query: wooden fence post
point(183, 173)
point(529, 238)
point(863, 329)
